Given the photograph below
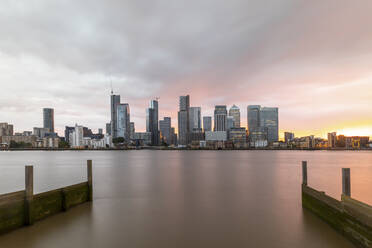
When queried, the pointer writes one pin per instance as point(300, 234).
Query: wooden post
point(29, 183)
point(90, 179)
point(304, 173)
point(346, 182)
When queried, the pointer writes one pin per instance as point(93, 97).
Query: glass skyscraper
point(207, 123)
point(115, 100)
point(152, 121)
point(123, 121)
point(48, 118)
point(263, 119)
point(184, 120)
point(220, 118)
point(195, 118)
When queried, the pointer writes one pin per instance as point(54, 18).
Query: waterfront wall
point(24, 208)
point(352, 218)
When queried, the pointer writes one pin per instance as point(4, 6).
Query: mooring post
point(90, 179)
point(304, 173)
point(29, 183)
point(346, 183)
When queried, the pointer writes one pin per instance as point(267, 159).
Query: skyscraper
point(195, 118)
point(269, 119)
point(132, 130)
point(165, 129)
point(123, 121)
point(184, 120)
point(115, 100)
point(152, 121)
point(234, 111)
point(253, 117)
point(220, 118)
point(48, 116)
point(230, 122)
point(263, 119)
point(207, 123)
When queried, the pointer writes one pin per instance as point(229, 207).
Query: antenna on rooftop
point(112, 89)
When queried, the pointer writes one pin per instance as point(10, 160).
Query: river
point(186, 198)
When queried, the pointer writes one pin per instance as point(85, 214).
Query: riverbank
point(160, 148)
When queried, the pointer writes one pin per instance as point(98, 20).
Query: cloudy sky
point(312, 59)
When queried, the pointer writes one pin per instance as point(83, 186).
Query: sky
point(312, 59)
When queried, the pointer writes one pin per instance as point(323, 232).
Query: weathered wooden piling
point(24, 207)
point(346, 183)
point(350, 217)
point(304, 172)
point(90, 179)
point(29, 184)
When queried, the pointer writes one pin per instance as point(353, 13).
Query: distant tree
point(63, 144)
point(21, 144)
point(118, 140)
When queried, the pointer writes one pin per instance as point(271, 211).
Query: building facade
point(184, 120)
point(263, 119)
point(195, 118)
point(332, 140)
point(152, 122)
point(220, 118)
point(6, 129)
point(115, 100)
point(165, 130)
point(288, 137)
point(48, 118)
point(234, 112)
point(77, 137)
point(123, 121)
point(207, 123)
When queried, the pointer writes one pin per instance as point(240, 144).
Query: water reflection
point(186, 199)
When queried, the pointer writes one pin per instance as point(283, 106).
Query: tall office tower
point(115, 100)
point(48, 115)
point(195, 118)
point(123, 121)
point(253, 117)
point(235, 113)
point(152, 121)
point(207, 123)
point(230, 122)
point(132, 130)
point(332, 139)
point(264, 117)
point(269, 119)
point(220, 118)
point(165, 129)
point(184, 120)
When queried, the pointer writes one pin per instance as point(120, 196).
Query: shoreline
point(182, 149)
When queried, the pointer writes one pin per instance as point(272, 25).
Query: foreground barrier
point(350, 217)
point(24, 208)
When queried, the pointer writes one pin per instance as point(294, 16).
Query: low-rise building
point(142, 138)
point(6, 140)
point(216, 136)
point(238, 137)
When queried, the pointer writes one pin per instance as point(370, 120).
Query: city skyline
point(279, 56)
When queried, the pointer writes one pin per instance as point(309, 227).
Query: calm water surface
point(186, 198)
